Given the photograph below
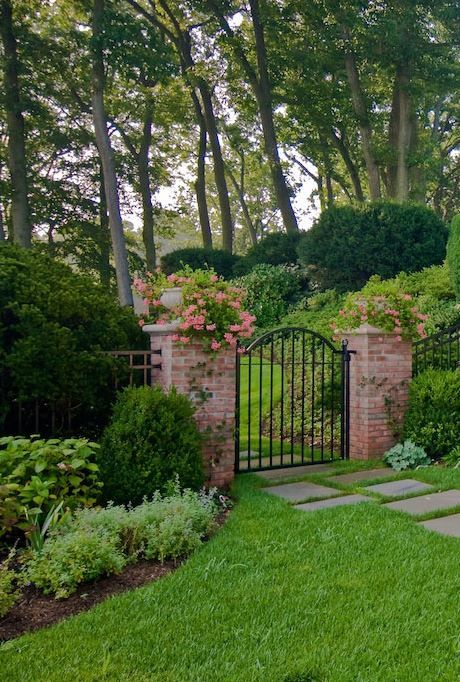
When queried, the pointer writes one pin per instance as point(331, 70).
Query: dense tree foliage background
point(223, 108)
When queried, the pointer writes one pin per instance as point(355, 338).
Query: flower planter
point(171, 298)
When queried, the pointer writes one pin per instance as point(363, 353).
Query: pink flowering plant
point(211, 309)
point(385, 306)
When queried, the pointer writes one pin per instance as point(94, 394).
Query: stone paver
point(334, 502)
point(296, 492)
point(367, 475)
point(291, 472)
point(446, 525)
point(406, 486)
point(426, 504)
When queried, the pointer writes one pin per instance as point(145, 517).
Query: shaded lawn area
point(347, 594)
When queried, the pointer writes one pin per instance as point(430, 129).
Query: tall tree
point(107, 159)
point(17, 162)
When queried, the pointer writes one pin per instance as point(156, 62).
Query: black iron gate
point(292, 401)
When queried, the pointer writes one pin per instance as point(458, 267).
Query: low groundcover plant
point(406, 455)
point(211, 309)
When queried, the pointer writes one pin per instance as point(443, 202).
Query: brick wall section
point(209, 381)
point(380, 373)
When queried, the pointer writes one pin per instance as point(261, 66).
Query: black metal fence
point(69, 417)
point(439, 351)
point(292, 404)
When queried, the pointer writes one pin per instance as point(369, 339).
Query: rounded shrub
point(269, 290)
point(348, 244)
point(218, 260)
point(453, 254)
point(432, 420)
point(277, 248)
point(152, 438)
point(55, 329)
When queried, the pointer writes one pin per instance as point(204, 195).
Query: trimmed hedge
point(453, 254)
point(277, 248)
point(55, 329)
point(432, 419)
point(348, 244)
point(152, 438)
point(220, 261)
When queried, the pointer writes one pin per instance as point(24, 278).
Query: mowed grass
point(350, 594)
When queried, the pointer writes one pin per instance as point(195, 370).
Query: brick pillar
point(380, 373)
point(209, 382)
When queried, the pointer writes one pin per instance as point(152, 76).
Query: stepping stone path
point(426, 504)
point(399, 488)
point(296, 492)
point(334, 502)
point(329, 498)
point(446, 525)
point(277, 474)
point(368, 475)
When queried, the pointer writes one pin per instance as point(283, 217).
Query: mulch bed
point(34, 610)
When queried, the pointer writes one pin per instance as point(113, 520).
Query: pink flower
point(235, 327)
point(398, 323)
point(420, 329)
point(157, 303)
point(210, 327)
point(184, 339)
point(399, 338)
point(341, 312)
point(175, 337)
point(215, 345)
point(241, 351)
point(141, 323)
point(214, 278)
point(397, 330)
point(172, 278)
point(407, 297)
point(363, 318)
point(200, 301)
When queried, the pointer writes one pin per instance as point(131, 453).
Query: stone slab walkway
point(446, 525)
point(291, 472)
point(426, 504)
point(359, 476)
point(296, 492)
point(333, 502)
point(406, 486)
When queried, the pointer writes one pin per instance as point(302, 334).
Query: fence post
point(380, 373)
point(210, 383)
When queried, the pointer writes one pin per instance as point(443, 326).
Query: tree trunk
point(200, 183)
point(20, 214)
point(145, 189)
point(107, 159)
point(219, 168)
point(262, 92)
point(104, 235)
point(350, 166)
point(2, 228)
point(400, 135)
point(244, 207)
point(360, 109)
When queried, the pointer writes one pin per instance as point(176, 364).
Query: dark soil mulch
point(34, 610)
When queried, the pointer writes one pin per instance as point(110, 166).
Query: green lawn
point(350, 594)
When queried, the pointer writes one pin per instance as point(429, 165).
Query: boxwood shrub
point(151, 438)
point(432, 419)
point(197, 258)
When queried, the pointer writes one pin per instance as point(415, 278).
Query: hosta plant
point(211, 309)
point(406, 455)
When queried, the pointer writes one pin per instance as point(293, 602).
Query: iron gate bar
point(326, 415)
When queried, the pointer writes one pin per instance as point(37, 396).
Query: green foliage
point(36, 475)
point(453, 458)
point(277, 248)
point(8, 591)
point(218, 260)
point(432, 417)
point(55, 327)
point(316, 312)
point(453, 254)
point(269, 291)
point(348, 244)
point(152, 437)
point(406, 455)
point(96, 542)
point(75, 557)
